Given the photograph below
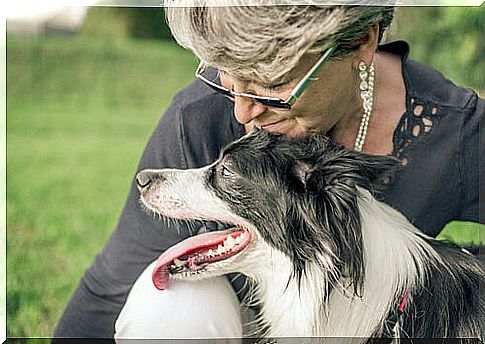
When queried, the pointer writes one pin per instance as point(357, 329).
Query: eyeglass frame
point(271, 101)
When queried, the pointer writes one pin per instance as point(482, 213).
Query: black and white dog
point(328, 259)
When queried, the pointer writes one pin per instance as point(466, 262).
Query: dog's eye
point(225, 172)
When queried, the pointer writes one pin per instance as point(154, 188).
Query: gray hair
point(266, 42)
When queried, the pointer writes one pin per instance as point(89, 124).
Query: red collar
point(403, 302)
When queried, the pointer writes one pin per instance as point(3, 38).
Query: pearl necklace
point(367, 95)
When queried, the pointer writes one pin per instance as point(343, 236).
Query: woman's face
point(330, 98)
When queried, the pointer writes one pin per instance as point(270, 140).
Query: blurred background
point(85, 88)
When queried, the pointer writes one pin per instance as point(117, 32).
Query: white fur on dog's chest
point(289, 311)
point(302, 312)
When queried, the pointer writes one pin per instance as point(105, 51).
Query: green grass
point(79, 112)
point(463, 233)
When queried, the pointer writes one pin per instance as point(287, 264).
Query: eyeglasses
point(203, 70)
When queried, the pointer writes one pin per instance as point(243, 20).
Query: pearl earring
point(366, 88)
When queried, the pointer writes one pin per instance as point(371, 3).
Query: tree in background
point(126, 22)
point(447, 38)
point(147, 22)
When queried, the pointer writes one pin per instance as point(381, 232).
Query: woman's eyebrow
point(277, 83)
point(287, 78)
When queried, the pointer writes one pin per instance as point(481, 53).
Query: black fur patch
point(451, 291)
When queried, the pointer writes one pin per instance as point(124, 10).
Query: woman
point(293, 70)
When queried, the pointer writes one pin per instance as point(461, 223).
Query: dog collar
point(390, 324)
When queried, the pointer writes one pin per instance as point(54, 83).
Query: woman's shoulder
point(437, 141)
point(428, 84)
point(437, 109)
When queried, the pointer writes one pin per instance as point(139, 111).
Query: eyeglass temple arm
point(199, 68)
point(308, 77)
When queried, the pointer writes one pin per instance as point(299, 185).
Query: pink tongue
point(160, 275)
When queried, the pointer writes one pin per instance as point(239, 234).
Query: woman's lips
point(273, 126)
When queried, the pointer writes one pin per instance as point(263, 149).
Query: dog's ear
point(303, 171)
point(375, 170)
point(321, 163)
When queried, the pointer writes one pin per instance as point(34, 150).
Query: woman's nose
point(247, 110)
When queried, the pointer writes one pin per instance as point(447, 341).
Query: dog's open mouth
point(194, 254)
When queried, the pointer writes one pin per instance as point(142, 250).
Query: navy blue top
point(437, 139)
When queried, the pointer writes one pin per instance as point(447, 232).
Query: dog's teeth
point(178, 262)
point(210, 253)
point(229, 242)
point(238, 240)
point(220, 249)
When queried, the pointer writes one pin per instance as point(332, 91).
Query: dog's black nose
point(144, 179)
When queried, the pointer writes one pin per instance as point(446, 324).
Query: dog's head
point(298, 197)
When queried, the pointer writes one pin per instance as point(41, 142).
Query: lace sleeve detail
point(416, 124)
